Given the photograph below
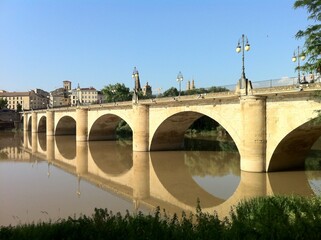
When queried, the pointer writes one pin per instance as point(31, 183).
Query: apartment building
point(33, 99)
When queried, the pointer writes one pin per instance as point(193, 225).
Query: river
point(49, 178)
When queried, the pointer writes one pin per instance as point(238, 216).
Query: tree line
point(119, 92)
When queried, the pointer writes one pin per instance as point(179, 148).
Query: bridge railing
point(285, 81)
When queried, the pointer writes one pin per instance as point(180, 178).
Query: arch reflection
point(176, 169)
point(42, 139)
point(113, 158)
point(168, 179)
point(66, 146)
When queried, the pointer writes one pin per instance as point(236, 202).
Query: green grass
point(258, 218)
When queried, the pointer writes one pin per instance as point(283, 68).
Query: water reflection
point(173, 180)
point(175, 176)
point(66, 146)
point(111, 158)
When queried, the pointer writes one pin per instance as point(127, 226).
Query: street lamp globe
point(247, 46)
point(297, 56)
point(179, 79)
point(238, 48)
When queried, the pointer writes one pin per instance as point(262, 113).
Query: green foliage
point(313, 161)
point(116, 93)
point(204, 123)
point(3, 103)
point(123, 130)
point(19, 107)
point(172, 92)
point(204, 90)
point(312, 34)
point(276, 218)
point(206, 126)
point(258, 218)
point(218, 89)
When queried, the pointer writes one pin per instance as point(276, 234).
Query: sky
point(95, 43)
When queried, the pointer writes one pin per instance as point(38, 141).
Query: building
point(190, 86)
point(34, 99)
point(66, 96)
point(61, 96)
point(147, 90)
point(85, 96)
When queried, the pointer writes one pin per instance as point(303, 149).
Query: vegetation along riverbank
point(276, 217)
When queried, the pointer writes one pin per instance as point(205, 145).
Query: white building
point(85, 96)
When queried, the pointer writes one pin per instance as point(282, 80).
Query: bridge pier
point(50, 148)
point(141, 180)
point(50, 123)
point(81, 158)
point(34, 122)
point(25, 121)
point(82, 124)
point(253, 149)
point(141, 128)
point(34, 142)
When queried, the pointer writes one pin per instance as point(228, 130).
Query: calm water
point(44, 178)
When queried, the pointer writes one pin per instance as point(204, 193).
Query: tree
point(19, 107)
point(116, 93)
point(312, 35)
point(172, 92)
point(3, 103)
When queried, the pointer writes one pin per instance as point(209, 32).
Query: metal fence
point(285, 81)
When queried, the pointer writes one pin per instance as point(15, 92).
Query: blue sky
point(96, 42)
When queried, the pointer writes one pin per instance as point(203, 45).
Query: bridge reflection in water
point(173, 180)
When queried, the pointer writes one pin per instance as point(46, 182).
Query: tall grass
point(258, 218)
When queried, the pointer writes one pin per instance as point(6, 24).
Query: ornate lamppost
point(298, 56)
point(243, 44)
point(179, 79)
point(113, 91)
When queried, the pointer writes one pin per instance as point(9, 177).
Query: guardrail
point(285, 81)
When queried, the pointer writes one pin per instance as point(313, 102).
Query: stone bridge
point(273, 129)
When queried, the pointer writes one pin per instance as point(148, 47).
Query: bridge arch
point(66, 126)
point(104, 128)
point(169, 134)
point(292, 150)
point(42, 124)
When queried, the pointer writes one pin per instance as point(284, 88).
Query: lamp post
point(159, 90)
point(245, 46)
point(113, 94)
point(298, 56)
point(179, 79)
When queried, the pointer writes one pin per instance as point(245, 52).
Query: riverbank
point(275, 217)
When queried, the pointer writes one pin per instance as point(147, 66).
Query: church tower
point(67, 85)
